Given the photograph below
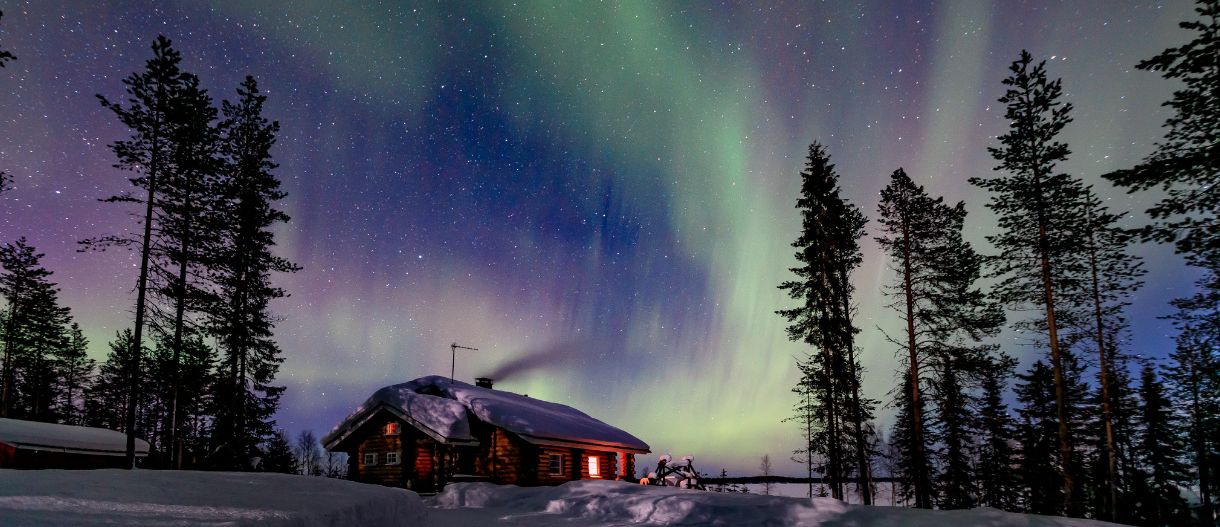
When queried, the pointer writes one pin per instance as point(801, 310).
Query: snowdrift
point(616, 503)
point(145, 497)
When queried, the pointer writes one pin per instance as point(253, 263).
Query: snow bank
point(144, 497)
point(616, 503)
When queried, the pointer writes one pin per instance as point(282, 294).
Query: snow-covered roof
point(434, 402)
point(32, 435)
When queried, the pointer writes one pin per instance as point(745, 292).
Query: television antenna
point(453, 357)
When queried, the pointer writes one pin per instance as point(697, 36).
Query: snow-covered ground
point(161, 498)
point(146, 497)
point(609, 503)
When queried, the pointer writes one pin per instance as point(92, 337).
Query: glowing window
point(391, 429)
point(593, 466)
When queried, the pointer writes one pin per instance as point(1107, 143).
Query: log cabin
point(35, 445)
point(424, 433)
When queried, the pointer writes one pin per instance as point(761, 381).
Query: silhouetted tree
point(826, 252)
point(1038, 211)
point(34, 333)
point(996, 458)
point(148, 113)
point(74, 369)
point(244, 263)
point(1161, 447)
point(1186, 164)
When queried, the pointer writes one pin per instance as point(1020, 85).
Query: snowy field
point(609, 503)
point(157, 498)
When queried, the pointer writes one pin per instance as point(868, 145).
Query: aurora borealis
point(607, 184)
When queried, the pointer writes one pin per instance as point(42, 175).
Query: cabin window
point(370, 458)
point(391, 429)
point(554, 463)
point(593, 466)
point(391, 458)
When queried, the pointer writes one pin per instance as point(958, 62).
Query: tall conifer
point(1038, 210)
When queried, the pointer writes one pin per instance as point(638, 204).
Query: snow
point(67, 438)
point(184, 498)
point(605, 503)
point(531, 417)
point(441, 405)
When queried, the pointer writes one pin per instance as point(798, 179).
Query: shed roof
point(536, 421)
point(32, 435)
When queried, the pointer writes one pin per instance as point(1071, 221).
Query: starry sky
point(597, 195)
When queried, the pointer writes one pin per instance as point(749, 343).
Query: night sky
point(604, 189)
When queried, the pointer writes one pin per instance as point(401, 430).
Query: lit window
point(391, 429)
point(391, 458)
point(555, 464)
point(370, 458)
point(593, 466)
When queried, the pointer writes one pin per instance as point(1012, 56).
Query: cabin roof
point(536, 421)
point(32, 435)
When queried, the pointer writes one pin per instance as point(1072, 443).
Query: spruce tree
point(33, 331)
point(189, 219)
point(148, 152)
point(1186, 164)
point(1037, 431)
point(1161, 446)
point(1193, 379)
point(107, 397)
point(74, 369)
point(1037, 210)
point(244, 264)
point(826, 253)
point(996, 429)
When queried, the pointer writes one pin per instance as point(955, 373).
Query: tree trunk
point(865, 485)
point(923, 498)
point(1104, 374)
point(133, 366)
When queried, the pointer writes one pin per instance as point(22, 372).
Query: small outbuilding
point(432, 430)
point(34, 445)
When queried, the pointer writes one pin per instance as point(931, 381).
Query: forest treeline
point(195, 373)
point(1098, 429)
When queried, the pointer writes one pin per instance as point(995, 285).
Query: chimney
point(483, 382)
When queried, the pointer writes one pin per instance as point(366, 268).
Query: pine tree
point(1186, 165)
point(1113, 276)
point(149, 153)
point(1041, 262)
point(827, 252)
point(5, 56)
point(74, 369)
point(946, 316)
point(188, 222)
point(244, 264)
